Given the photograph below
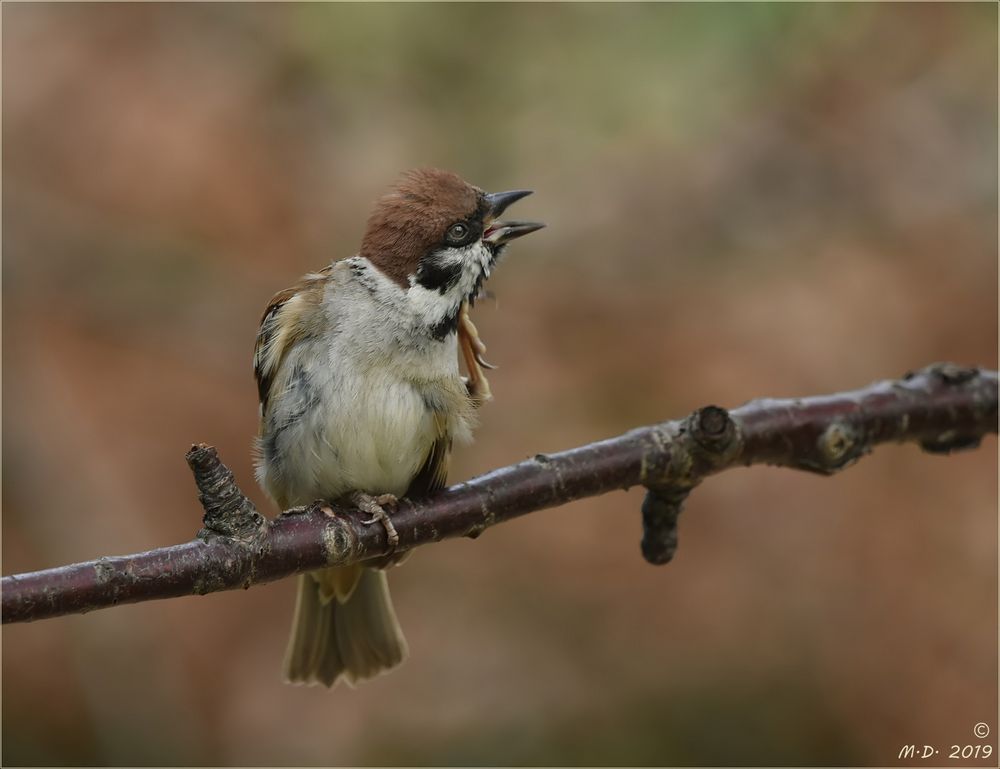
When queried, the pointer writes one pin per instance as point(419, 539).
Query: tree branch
point(943, 408)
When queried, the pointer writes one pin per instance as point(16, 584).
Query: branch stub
point(712, 428)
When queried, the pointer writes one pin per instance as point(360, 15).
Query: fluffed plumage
point(359, 387)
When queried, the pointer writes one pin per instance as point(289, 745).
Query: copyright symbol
point(981, 730)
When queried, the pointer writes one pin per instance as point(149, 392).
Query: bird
point(362, 399)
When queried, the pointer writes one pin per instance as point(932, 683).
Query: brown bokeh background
point(743, 201)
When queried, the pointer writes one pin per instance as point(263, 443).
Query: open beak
point(498, 232)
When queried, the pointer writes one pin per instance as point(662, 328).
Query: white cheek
point(479, 255)
point(430, 305)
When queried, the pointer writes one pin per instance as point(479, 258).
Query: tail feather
point(310, 629)
point(354, 639)
point(368, 635)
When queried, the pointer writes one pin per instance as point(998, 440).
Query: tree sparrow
point(361, 397)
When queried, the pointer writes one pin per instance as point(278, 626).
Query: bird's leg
point(472, 347)
point(375, 507)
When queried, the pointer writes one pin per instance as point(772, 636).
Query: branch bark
point(942, 407)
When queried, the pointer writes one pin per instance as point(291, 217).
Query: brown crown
point(411, 219)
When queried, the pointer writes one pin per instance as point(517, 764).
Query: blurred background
point(743, 201)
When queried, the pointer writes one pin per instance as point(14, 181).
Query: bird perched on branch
point(361, 396)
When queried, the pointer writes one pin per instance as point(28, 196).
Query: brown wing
point(266, 358)
point(288, 317)
point(433, 475)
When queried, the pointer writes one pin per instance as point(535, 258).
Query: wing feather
point(433, 474)
point(288, 317)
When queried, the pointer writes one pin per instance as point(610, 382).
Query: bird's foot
point(375, 507)
point(473, 349)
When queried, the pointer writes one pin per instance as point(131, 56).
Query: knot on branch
point(706, 440)
point(683, 453)
point(338, 527)
point(228, 512)
point(339, 542)
point(949, 373)
point(966, 378)
point(712, 428)
point(841, 444)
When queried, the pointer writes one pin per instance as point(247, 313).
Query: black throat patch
point(435, 276)
point(446, 326)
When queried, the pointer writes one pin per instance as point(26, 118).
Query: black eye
point(458, 234)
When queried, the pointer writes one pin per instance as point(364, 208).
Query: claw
point(475, 342)
point(472, 348)
point(366, 503)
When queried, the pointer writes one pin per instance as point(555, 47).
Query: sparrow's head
point(434, 232)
